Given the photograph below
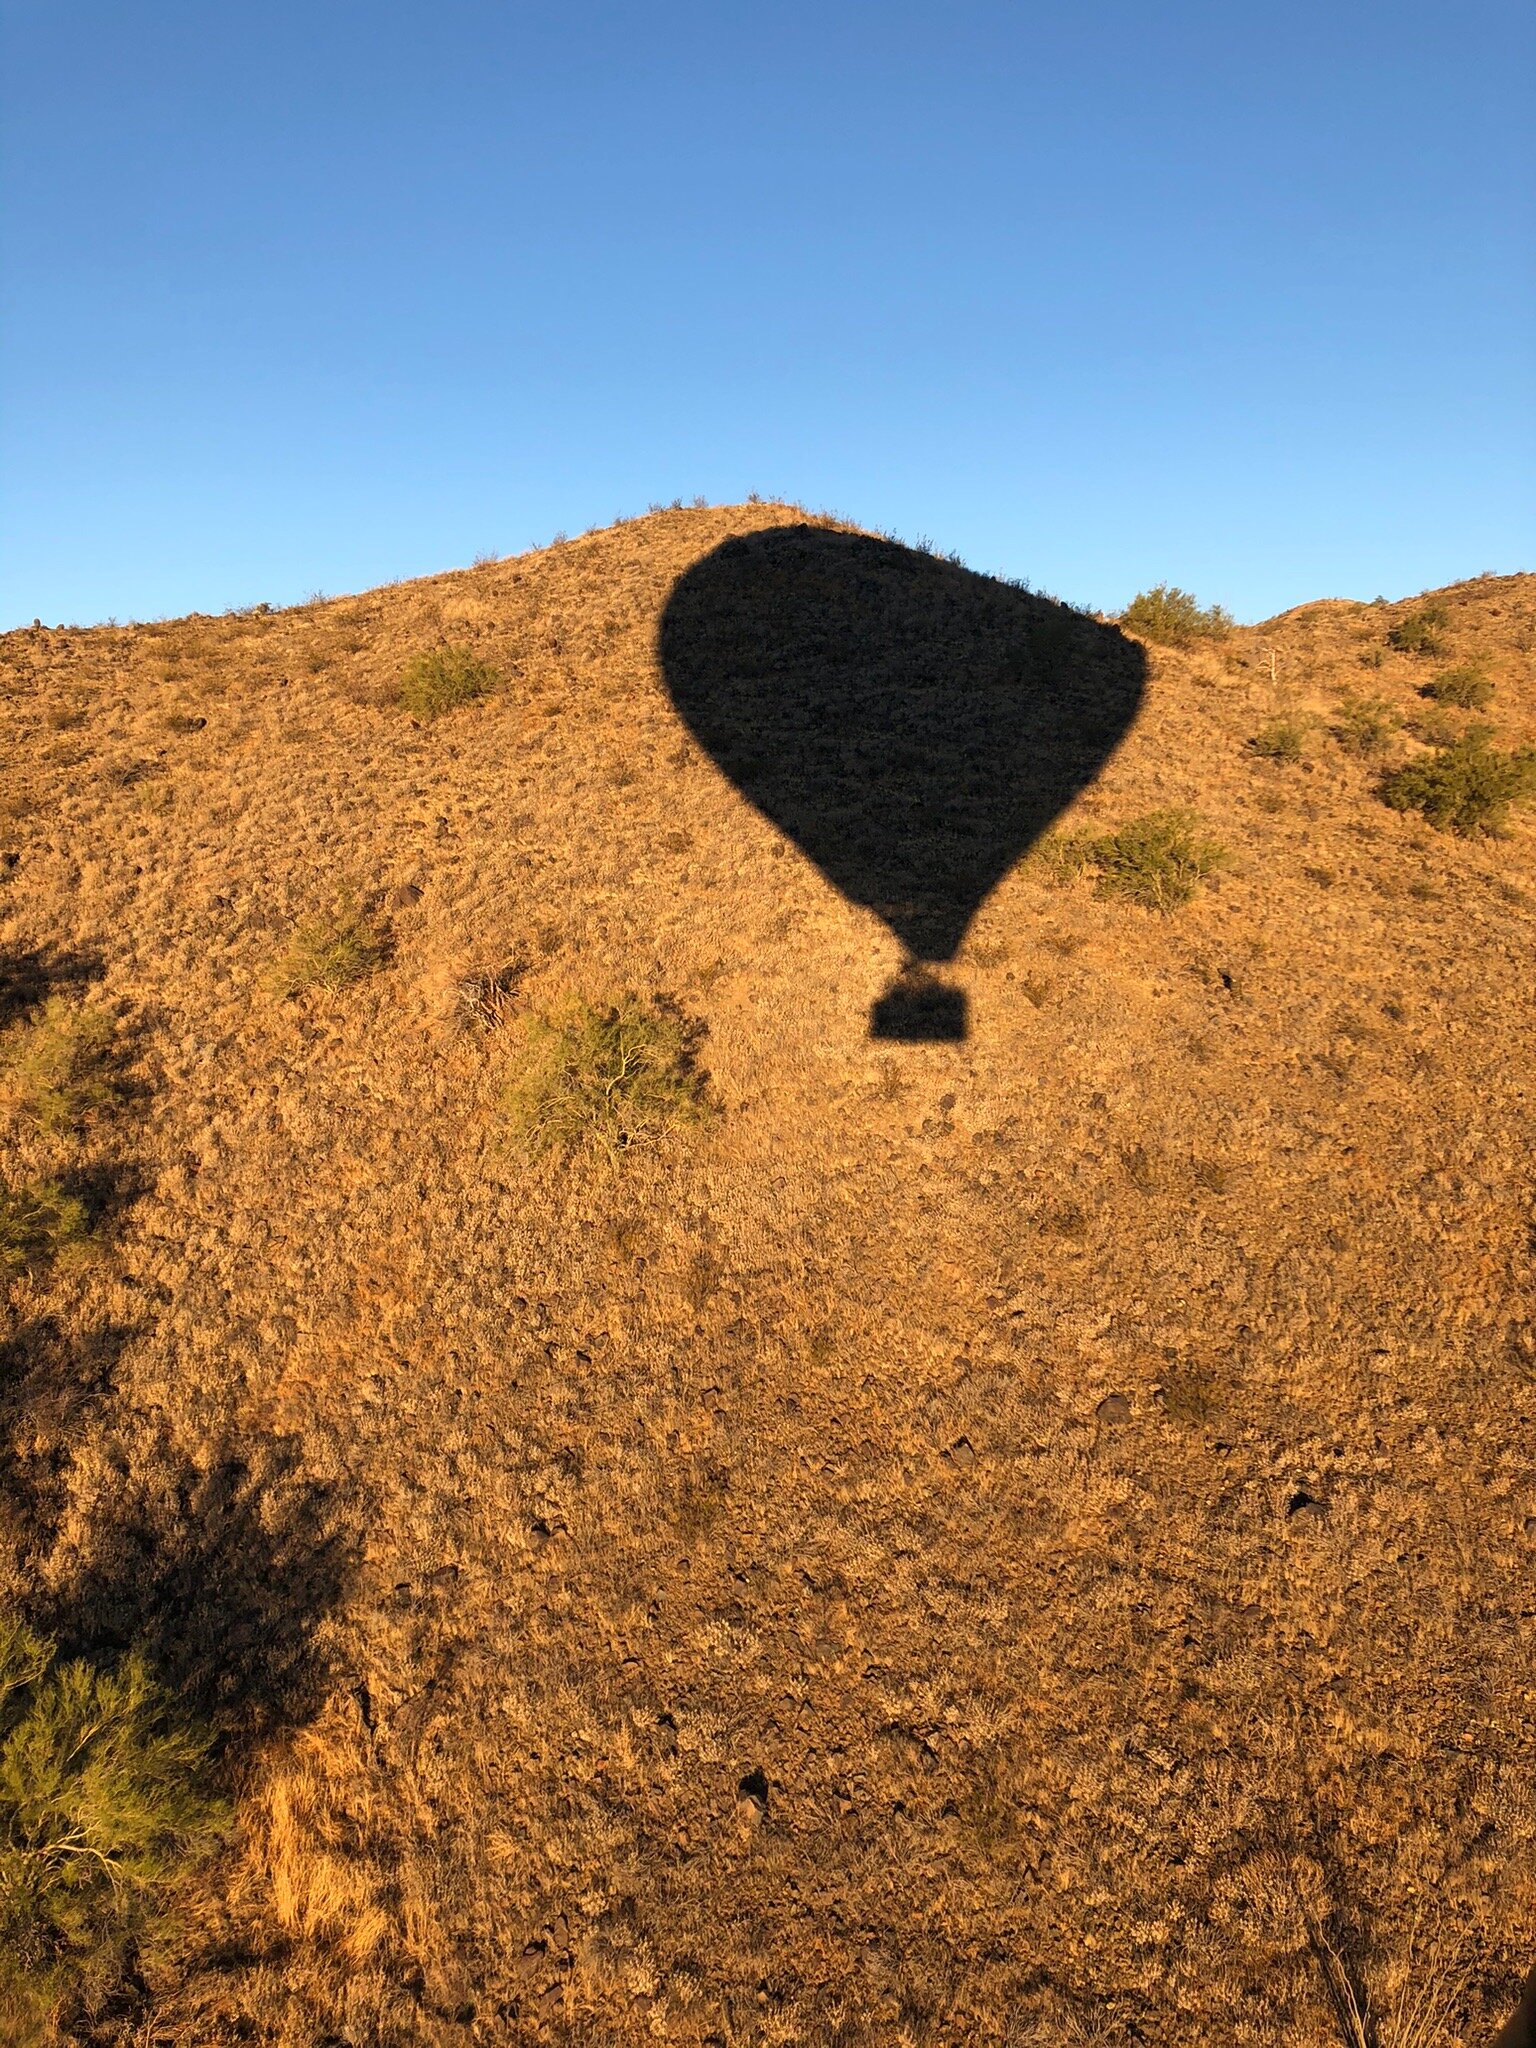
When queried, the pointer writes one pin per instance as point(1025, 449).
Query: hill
point(1010, 1522)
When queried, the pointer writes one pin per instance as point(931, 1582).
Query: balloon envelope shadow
point(912, 726)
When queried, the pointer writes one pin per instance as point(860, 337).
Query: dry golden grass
point(1013, 1541)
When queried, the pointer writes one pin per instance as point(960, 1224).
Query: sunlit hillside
point(993, 1505)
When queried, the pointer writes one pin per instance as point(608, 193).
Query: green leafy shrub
point(1158, 861)
point(1363, 725)
point(39, 1223)
point(1467, 787)
point(1418, 632)
point(1282, 739)
point(57, 1068)
point(605, 1080)
point(329, 953)
point(102, 1795)
point(443, 678)
point(1467, 688)
point(1173, 616)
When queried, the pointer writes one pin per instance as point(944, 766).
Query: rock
point(1305, 1508)
point(752, 1799)
point(1114, 1408)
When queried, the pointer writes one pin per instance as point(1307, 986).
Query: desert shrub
point(102, 1795)
point(1435, 727)
point(1467, 688)
point(444, 677)
point(39, 1223)
point(1418, 632)
point(1363, 725)
point(605, 1079)
point(1467, 787)
point(1173, 616)
point(57, 1068)
point(329, 953)
point(1158, 861)
point(1282, 739)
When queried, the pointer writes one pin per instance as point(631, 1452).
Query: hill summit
point(794, 1290)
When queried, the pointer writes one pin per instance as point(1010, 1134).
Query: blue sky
point(1100, 293)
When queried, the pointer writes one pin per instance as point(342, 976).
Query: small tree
point(444, 678)
point(102, 1794)
point(1419, 632)
point(605, 1080)
point(39, 1222)
point(1466, 788)
point(58, 1067)
point(1173, 616)
point(1467, 688)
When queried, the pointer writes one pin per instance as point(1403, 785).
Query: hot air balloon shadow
point(912, 726)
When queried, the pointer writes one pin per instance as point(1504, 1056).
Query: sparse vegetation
point(950, 1440)
point(1468, 689)
point(39, 1223)
point(605, 1080)
point(1419, 632)
point(330, 953)
point(1174, 617)
point(443, 678)
point(1363, 725)
point(1063, 856)
point(1467, 788)
point(57, 1069)
point(102, 1796)
point(1281, 739)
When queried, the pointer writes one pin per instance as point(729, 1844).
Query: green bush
point(329, 953)
point(39, 1223)
point(1173, 616)
point(102, 1795)
point(1418, 632)
point(1158, 861)
point(605, 1080)
point(443, 678)
point(57, 1067)
point(1282, 739)
point(1364, 724)
point(1467, 787)
point(1467, 688)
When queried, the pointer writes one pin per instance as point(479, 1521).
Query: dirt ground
point(1018, 1538)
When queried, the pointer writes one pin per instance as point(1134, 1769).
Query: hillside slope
point(1017, 1538)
